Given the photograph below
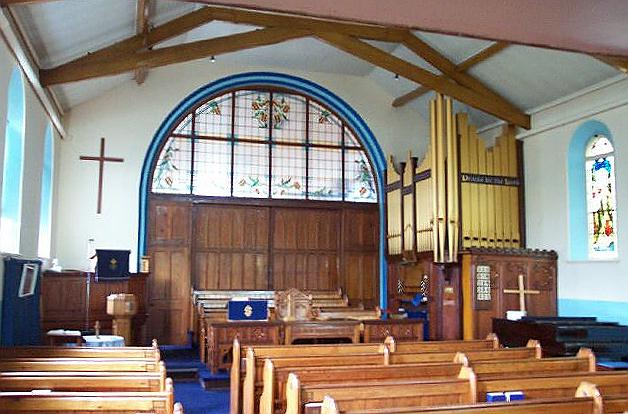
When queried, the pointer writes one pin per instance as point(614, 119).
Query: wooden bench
point(273, 379)
point(109, 402)
point(550, 385)
point(80, 352)
point(582, 403)
point(381, 394)
point(81, 365)
point(491, 342)
point(83, 381)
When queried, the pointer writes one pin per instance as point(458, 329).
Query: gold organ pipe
point(393, 200)
point(434, 145)
point(499, 189)
point(408, 206)
point(490, 198)
point(423, 200)
point(474, 210)
point(483, 193)
point(440, 172)
point(514, 191)
point(465, 188)
point(452, 182)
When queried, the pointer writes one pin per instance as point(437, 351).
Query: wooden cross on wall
point(522, 292)
point(101, 167)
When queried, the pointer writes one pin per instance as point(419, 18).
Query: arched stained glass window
point(45, 214)
point(601, 198)
point(11, 206)
point(264, 144)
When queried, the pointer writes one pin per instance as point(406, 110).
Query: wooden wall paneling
point(64, 300)
point(169, 245)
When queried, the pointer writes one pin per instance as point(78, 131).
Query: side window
point(11, 205)
point(45, 214)
point(601, 198)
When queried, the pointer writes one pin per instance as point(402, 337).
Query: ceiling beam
point(467, 64)
point(618, 63)
point(4, 3)
point(12, 36)
point(138, 42)
point(142, 19)
point(417, 74)
point(448, 68)
point(169, 55)
point(257, 18)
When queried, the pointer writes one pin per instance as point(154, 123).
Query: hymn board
point(463, 198)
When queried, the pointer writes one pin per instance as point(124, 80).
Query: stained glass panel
point(601, 206)
point(359, 182)
point(185, 127)
point(325, 175)
point(213, 118)
point(288, 118)
point(599, 145)
point(350, 139)
point(173, 169)
point(250, 170)
point(252, 113)
point(212, 168)
point(325, 127)
point(288, 172)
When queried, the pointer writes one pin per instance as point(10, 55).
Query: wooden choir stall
point(456, 231)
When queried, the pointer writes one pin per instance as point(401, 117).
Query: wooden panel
point(230, 247)
point(64, 304)
point(169, 240)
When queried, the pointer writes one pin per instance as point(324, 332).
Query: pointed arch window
point(264, 143)
point(11, 205)
point(601, 198)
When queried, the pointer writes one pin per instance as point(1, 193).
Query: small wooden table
point(321, 330)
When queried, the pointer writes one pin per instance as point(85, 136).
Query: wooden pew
point(491, 342)
point(254, 367)
point(83, 381)
point(130, 352)
point(252, 360)
point(381, 394)
point(552, 385)
point(274, 378)
point(80, 365)
point(111, 402)
point(582, 403)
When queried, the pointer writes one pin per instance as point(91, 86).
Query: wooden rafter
point(169, 55)
point(417, 74)
point(481, 56)
point(618, 63)
point(22, 2)
point(142, 19)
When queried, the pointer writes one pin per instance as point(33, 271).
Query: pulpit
point(294, 305)
point(122, 306)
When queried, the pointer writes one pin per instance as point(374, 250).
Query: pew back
point(80, 365)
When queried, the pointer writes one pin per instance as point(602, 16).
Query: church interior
point(312, 207)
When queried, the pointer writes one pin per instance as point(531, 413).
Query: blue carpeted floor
point(191, 394)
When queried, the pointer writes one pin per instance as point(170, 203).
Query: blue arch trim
point(306, 87)
point(578, 233)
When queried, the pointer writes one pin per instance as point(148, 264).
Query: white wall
point(128, 117)
point(598, 288)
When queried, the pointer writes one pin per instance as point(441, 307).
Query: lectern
point(122, 306)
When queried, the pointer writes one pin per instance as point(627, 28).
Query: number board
point(482, 287)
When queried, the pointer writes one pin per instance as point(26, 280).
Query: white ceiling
point(528, 77)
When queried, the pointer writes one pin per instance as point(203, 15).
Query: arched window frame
point(189, 137)
point(601, 163)
point(577, 188)
point(13, 166)
point(45, 211)
point(251, 79)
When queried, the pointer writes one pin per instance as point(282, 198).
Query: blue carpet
point(191, 394)
point(196, 400)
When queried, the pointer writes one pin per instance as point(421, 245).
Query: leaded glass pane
point(351, 140)
point(288, 118)
point(173, 170)
point(325, 174)
point(288, 172)
point(185, 127)
point(212, 168)
point(213, 118)
point(601, 206)
point(250, 170)
point(598, 146)
point(252, 115)
point(359, 182)
point(325, 127)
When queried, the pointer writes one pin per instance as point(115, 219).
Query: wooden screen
point(227, 245)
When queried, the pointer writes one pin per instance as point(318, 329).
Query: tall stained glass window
point(601, 198)
point(11, 206)
point(259, 143)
